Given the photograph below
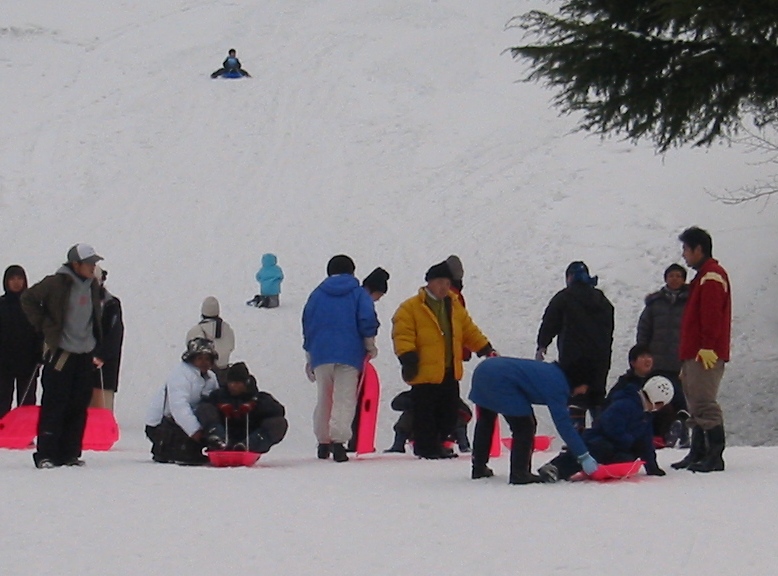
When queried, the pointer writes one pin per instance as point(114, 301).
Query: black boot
point(323, 451)
point(482, 441)
point(523, 432)
point(696, 452)
point(339, 452)
point(400, 439)
point(713, 460)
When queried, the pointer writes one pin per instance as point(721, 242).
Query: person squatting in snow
point(173, 423)
point(269, 276)
point(237, 416)
point(510, 386)
point(65, 307)
point(339, 328)
point(623, 433)
point(212, 327)
point(403, 428)
point(430, 331)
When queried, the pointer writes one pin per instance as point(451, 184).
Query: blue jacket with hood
point(337, 317)
point(269, 276)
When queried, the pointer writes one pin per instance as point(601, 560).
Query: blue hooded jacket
point(626, 425)
point(269, 276)
point(338, 315)
point(510, 386)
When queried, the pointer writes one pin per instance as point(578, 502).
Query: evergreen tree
point(671, 71)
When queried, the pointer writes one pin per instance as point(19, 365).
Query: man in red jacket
point(703, 350)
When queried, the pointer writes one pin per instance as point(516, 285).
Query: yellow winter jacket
point(416, 329)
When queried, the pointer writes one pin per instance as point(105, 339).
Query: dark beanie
point(673, 268)
point(377, 281)
point(580, 273)
point(455, 265)
point(340, 264)
point(238, 372)
point(439, 270)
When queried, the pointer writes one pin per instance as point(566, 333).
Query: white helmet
point(659, 389)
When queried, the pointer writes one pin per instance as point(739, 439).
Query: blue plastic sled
point(232, 74)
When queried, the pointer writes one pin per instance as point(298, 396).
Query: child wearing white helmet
point(622, 433)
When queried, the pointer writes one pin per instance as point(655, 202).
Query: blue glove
point(588, 464)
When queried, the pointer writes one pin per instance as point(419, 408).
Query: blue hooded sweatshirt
point(337, 317)
point(269, 276)
point(510, 386)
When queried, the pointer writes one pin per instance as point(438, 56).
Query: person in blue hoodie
point(269, 277)
point(622, 433)
point(339, 329)
point(510, 386)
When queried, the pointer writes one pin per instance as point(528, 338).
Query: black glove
point(485, 351)
point(410, 365)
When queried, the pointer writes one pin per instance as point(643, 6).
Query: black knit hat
point(439, 270)
point(377, 281)
point(340, 264)
point(238, 372)
point(674, 268)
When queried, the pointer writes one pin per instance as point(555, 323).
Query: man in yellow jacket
point(429, 332)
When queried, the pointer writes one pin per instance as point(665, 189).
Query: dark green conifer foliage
point(670, 71)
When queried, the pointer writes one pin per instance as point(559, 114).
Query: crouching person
point(622, 433)
point(510, 386)
point(172, 423)
point(238, 416)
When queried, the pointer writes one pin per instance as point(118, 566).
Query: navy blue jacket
point(626, 425)
point(337, 317)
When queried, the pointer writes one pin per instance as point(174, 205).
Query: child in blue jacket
point(622, 433)
point(269, 277)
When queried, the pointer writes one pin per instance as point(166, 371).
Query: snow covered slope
point(395, 132)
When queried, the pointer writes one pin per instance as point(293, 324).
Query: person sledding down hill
point(231, 67)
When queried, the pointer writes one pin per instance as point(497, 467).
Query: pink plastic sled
point(19, 427)
point(232, 458)
point(542, 443)
point(616, 471)
point(369, 395)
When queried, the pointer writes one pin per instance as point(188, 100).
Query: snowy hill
point(395, 132)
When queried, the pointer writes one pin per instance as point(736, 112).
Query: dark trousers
point(523, 439)
point(169, 443)
point(67, 390)
point(19, 380)
point(434, 414)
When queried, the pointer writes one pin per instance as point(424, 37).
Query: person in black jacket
point(20, 346)
point(231, 65)
point(107, 378)
point(238, 416)
point(581, 319)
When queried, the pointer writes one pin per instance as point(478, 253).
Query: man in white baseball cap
point(65, 307)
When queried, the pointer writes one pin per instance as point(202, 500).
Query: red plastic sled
point(233, 458)
point(542, 443)
point(615, 471)
point(369, 395)
point(19, 427)
point(102, 431)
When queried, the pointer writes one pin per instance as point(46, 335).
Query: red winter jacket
point(707, 319)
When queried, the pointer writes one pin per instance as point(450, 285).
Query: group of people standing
point(72, 327)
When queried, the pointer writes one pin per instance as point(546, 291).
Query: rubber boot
point(398, 446)
point(713, 461)
point(696, 451)
point(523, 432)
point(462, 440)
point(578, 416)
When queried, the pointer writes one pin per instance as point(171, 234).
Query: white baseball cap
point(83, 253)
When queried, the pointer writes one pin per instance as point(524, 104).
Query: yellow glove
point(708, 358)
